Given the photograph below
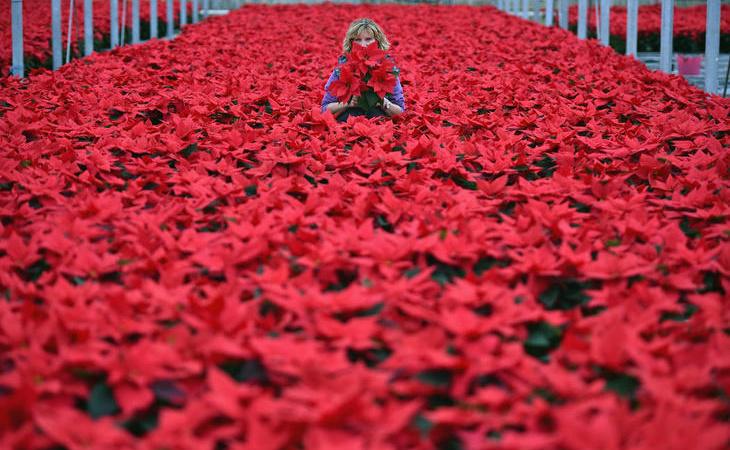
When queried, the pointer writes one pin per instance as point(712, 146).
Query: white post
point(632, 26)
point(170, 19)
point(605, 21)
point(563, 14)
point(712, 45)
point(206, 7)
point(665, 39)
point(16, 11)
point(195, 11)
point(549, 13)
point(135, 22)
point(183, 13)
point(525, 9)
point(123, 29)
point(500, 5)
point(153, 19)
point(582, 19)
point(88, 27)
point(69, 37)
point(56, 46)
point(114, 23)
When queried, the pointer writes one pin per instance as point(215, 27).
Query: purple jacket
point(396, 96)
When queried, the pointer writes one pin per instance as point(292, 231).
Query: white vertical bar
point(665, 40)
point(69, 35)
point(114, 23)
point(632, 26)
point(170, 19)
point(712, 45)
point(88, 27)
point(563, 14)
point(16, 12)
point(183, 13)
point(123, 28)
point(525, 9)
point(605, 22)
point(549, 13)
point(195, 11)
point(153, 19)
point(206, 7)
point(582, 19)
point(135, 22)
point(500, 5)
point(56, 46)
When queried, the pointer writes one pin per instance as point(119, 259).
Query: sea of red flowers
point(689, 21)
point(37, 26)
point(533, 256)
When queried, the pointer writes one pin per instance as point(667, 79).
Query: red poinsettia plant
point(367, 73)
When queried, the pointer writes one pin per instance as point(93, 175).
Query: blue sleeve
point(398, 98)
point(329, 98)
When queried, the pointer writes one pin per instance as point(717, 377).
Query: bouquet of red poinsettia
point(369, 73)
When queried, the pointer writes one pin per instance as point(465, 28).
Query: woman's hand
point(390, 108)
point(338, 107)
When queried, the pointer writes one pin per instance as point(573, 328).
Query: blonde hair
point(364, 24)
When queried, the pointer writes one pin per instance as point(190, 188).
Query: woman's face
point(364, 38)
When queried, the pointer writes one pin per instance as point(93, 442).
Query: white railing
point(712, 28)
point(116, 36)
point(528, 9)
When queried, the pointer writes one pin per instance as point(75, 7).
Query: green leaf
point(101, 401)
point(444, 272)
point(423, 425)
point(246, 371)
point(613, 242)
point(487, 262)
point(142, 422)
point(250, 190)
point(35, 270)
point(547, 166)
point(115, 114)
point(371, 357)
point(687, 229)
point(689, 310)
point(368, 100)
point(580, 207)
point(380, 221)
point(564, 294)
point(311, 180)
point(167, 392)
point(189, 150)
point(440, 378)
point(463, 182)
point(622, 384)
point(712, 283)
point(547, 395)
point(542, 338)
point(372, 311)
point(344, 280)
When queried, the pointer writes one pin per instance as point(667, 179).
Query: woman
point(362, 32)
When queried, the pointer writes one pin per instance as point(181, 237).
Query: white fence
point(116, 30)
point(540, 10)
